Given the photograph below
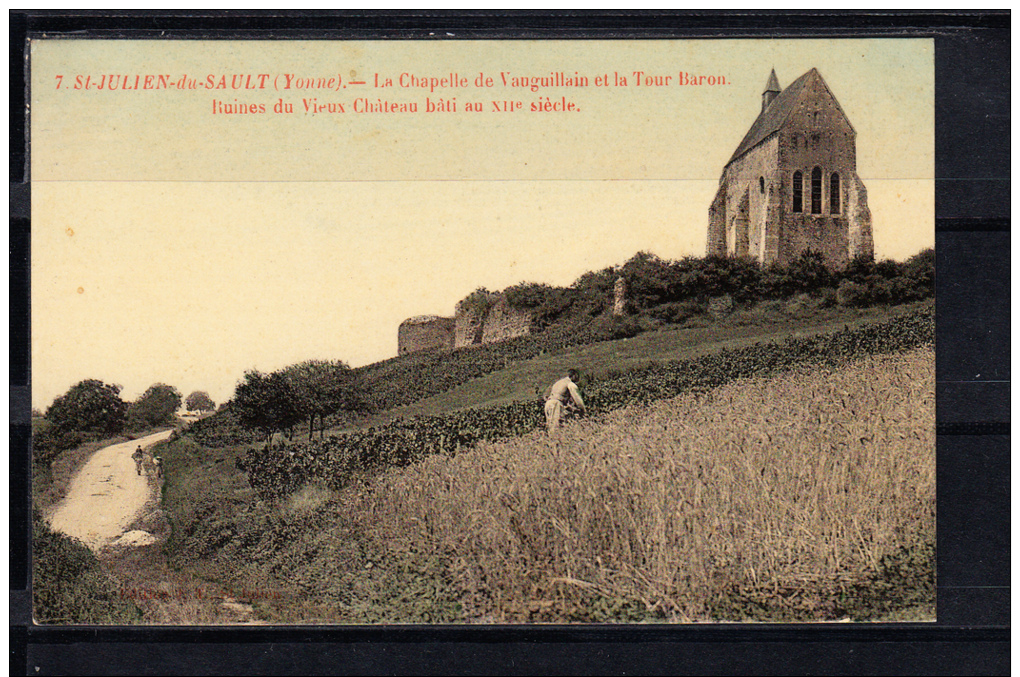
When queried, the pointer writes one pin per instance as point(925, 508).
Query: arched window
point(834, 193)
point(816, 191)
point(761, 185)
point(798, 192)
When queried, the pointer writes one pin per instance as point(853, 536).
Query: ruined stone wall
point(619, 297)
point(505, 322)
point(717, 223)
point(425, 332)
point(469, 320)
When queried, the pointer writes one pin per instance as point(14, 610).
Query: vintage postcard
point(482, 332)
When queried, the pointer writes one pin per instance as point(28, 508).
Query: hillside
point(525, 380)
point(712, 505)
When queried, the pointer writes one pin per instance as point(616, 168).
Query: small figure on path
point(560, 395)
point(158, 462)
point(138, 456)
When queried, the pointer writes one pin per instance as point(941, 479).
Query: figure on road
point(560, 395)
point(138, 456)
point(158, 462)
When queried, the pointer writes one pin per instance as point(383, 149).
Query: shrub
point(853, 294)
point(90, 406)
point(69, 584)
point(677, 312)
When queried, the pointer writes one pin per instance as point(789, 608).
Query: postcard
point(482, 332)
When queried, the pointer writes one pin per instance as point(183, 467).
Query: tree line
point(93, 410)
point(655, 286)
point(315, 389)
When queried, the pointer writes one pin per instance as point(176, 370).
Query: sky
point(175, 243)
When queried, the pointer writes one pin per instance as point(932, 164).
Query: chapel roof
point(775, 114)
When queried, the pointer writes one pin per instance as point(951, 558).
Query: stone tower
point(792, 184)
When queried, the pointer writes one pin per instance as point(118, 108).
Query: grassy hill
point(803, 496)
point(525, 380)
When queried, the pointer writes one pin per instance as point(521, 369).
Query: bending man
point(563, 393)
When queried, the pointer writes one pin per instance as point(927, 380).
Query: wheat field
point(790, 498)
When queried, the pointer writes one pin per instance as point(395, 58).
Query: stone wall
point(477, 321)
point(469, 321)
point(425, 332)
point(505, 322)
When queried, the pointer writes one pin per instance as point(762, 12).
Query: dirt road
point(106, 495)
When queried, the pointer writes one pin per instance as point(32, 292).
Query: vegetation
point(271, 403)
point(783, 499)
point(324, 388)
point(807, 496)
point(278, 470)
point(69, 584)
point(157, 407)
point(789, 480)
point(661, 293)
point(199, 401)
point(89, 410)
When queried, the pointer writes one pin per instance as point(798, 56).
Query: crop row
point(281, 469)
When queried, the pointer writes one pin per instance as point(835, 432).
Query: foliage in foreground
point(282, 469)
point(796, 498)
point(69, 584)
point(807, 496)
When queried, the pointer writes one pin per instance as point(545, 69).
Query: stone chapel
point(792, 184)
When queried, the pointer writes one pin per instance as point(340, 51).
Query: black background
point(972, 200)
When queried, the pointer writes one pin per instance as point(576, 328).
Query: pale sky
point(171, 244)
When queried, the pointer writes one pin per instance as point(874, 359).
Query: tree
point(323, 388)
point(156, 407)
point(265, 402)
point(199, 401)
point(91, 407)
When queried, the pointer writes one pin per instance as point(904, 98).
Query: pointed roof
point(773, 83)
point(773, 117)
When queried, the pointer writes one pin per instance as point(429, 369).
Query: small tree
point(323, 388)
point(266, 402)
point(156, 407)
point(199, 401)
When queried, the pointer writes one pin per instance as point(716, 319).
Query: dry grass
point(769, 499)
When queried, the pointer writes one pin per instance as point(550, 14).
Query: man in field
point(138, 456)
point(560, 395)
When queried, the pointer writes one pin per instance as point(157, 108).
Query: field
point(807, 496)
point(520, 381)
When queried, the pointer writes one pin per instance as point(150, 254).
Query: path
point(106, 495)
